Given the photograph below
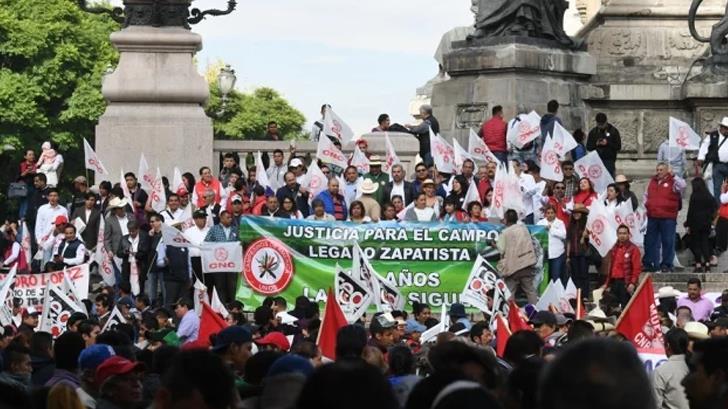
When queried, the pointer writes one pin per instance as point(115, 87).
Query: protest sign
point(30, 288)
point(327, 152)
point(459, 156)
point(222, 257)
point(592, 167)
point(145, 174)
point(174, 238)
point(390, 157)
point(564, 142)
point(640, 325)
point(57, 309)
point(315, 181)
point(602, 228)
point(426, 262)
point(483, 278)
point(114, 319)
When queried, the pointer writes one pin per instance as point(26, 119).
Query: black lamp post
point(157, 13)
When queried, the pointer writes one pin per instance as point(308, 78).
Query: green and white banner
point(428, 262)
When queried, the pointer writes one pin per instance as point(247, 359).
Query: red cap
point(362, 142)
point(60, 220)
point(277, 339)
point(116, 365)
point(182, 192)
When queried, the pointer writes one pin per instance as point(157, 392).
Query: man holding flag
point(625, 268)
point(422, 132)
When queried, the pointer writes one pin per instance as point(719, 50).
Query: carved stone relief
point(470, 115)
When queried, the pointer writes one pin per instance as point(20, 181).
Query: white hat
point(295, 163)
point(368, 187)
point(117, 203)
point(724, 122)
point(696, 330)
point(667, 292)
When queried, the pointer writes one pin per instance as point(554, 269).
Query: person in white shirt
point(277, 170)
point(714, 153)
point(557, 238)
point(71, 251)
point(529, 188)
point(173, 214)
point(352, 184)
point(46, 215)
point(420, 212)
point(196, 235)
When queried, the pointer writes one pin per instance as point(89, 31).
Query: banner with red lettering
point(524, 129)
point(174, 238)
point(335, 127)
point(459, 156)
point(145, 175)
point(550, 163)
point(442, 154)
point(391, 158)
point(30, 288)
point(564, 142)
point(92, 161)
point(360, 160)
point(602, 227)
point(223, 257)
point(592, 167)
point(327, 152)
point(640, 322)
point(315, 180)
point(683, 136)
point(479, 150)
point(157, 196)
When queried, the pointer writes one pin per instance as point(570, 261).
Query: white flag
point(512, 195)
point(174, 238)
point(145, 175)
point(550, 164)
point(524, 129)
point(683, 136)
point(134, 276)
point(360, 160)
point(335, 127)
point(327, 152)
point(353, 295)
point(442, 326)
point(602, 227)
point(103, 258)
point(592, 167)
point(471, 196)
point(217, 305)
point(157, 195)
point(443, 154)
point(114, 319)
point(497, 205)
point(261, 177)
point(315, 180)
point(124, 186)
point(625, 214)
point(459, 156)
point(564, 142)
point(479, 150)
point(177, 181)
point(570, 290)
point(25, 242)
point(221, 257)
point(483, 277)
point(387, 296)
point(92, 161)
point(199, 292)
point(57, 307)
point(6, 314)
point(390, 158)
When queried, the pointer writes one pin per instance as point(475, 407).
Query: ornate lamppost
point(157, 13)
point(226, 83)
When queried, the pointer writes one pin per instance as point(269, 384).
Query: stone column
point(155, 103)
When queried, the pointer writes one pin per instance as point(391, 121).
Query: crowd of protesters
point(269, 357)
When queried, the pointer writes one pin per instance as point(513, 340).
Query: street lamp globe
point(226, 80)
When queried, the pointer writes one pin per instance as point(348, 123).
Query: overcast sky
point(362, 57)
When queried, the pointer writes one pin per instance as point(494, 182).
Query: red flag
point(210, 323)
point(502, 335)
point(640, 323)
point(516, 321)
point(332, 321)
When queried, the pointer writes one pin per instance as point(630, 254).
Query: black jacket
point(90, 234)
point(142, 254)
point(613, 146)
point(409, 192)
point(422, 133)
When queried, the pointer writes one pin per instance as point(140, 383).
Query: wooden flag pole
point(631, 300)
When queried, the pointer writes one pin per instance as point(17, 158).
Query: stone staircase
point(712, 282)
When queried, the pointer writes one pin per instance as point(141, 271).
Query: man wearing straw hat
point(371, 206)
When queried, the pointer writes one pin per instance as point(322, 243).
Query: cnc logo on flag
point(551, 159)
point(498, 194)
point(267, 266)
point(594, 172)
point(222, 257)
point(525, 130)
point(598, 227)
point(221, 254)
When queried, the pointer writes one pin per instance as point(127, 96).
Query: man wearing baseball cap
point(119, 383)
point(274, 341)
point(234, 345)
point(89, 359)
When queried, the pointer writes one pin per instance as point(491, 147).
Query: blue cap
point(289, 364)
point(457, 310)
point(232, 335)
point(94, 355)
point(414, 326)
point(125, 301)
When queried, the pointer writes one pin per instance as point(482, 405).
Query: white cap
point(295, 163)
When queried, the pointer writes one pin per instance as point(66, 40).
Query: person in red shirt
point(558, 200)
point(586, 193)
point(493, 133)
point(625, 268)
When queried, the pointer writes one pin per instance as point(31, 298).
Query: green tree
point(52, 59)
point(247, 115)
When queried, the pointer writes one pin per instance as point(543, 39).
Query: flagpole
point(579, 305)
point(632, 298)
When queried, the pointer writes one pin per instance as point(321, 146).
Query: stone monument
point(155, 96)
point(518, 54)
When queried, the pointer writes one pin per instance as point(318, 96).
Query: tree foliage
point(246, 115)
point(52, 59)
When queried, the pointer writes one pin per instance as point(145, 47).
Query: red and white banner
point(640, 322)
point(484, 277)
point(199, 296)
point(335, 127)
point(327, 152)
point(635, 220)
point(479, 150)
point(360, 160)
point(550, 163)
point(683, 136)
point(390, 158)
point(225, 257)
point(497, 206)
point(442, 154)
point(315, 180)
point(92, 161)
point(145, 175)
point(173, 237)
point(103, 258)
point(459, 156)
point(524, 129)
point(157, 195)
point(592, 167)
point(353, 295)
point(564, 142)
point(601, 226)
point(30, 288)
point(124, 186)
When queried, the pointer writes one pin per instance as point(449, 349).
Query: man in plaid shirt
point(226, 283)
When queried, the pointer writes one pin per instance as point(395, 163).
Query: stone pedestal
point(512, 72)
point(155, 105)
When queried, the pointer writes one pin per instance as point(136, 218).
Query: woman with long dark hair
point(576, 249)
point(586, 193)
point(701, 212)
point(459, 190)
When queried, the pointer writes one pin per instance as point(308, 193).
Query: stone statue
point(542, 19)
point(718, 33)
